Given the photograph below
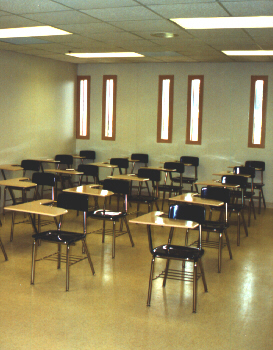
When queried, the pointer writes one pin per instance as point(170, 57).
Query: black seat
point(65, 161)
point(89, 170)
point(219, 227)
point(151, 197)
point(30, 165)
point(88, 155)
point(122, 163)
point(44, 179)
point(139, 158)
point(70, 201)
point(190, 162)
point(236, 207)
point(176, 183)
point(249, 191)
point(119, 187)
point(258, 184)
point(169, 251)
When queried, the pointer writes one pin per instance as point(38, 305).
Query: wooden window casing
point(257, 111)
point(109, 95)
point(194, 108)
point(165, 109)
point(83, 107)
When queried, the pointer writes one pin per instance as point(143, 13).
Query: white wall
point(225, 114)
point(36, 107)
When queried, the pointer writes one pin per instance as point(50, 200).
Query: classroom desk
point(46, 160)
point(39, 207)
point(131, 177)
point(216, 183)
point(195, 198)
point(64, 172)
point(21, 184)
point(10, 167)
point(227, 173)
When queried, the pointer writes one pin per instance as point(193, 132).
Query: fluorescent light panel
point(249, 53)
point(105, 54)
point(31, 31)
point(225, 22)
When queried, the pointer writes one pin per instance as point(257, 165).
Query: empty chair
point(70, 201)
point(169, 251)
point(190, 162)
point(258, 184)
point(88, 170)
point(64, 160)
point(151, 197)
point(122, 163)
point(249, 191)
point(237, 208)
point(176, 183)
point(119, 187)
point(42, 180)
point(219, 227)
point(30, 165)
point(88, 155)
point(139, 158)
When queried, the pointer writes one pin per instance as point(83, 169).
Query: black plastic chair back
point(141, 157)
point(116, 186)
point(73, 201)
point(190, 212)
point(244, 171)
point(179, 167)
point(190, 160)
point(217, 193)
point(44, 179)
point(65, 159)
point(255, 164)
point(151, 174)
point(89, 170)
point(29, 164)
point(122, 163)
point(234, 180)
point(88, 154)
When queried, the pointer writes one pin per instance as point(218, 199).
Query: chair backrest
point(234, 180)
point(88, 154)
point(255, 164)
point(244, 171)
point(179, 167)
point(194, 161)
point(89, 169)
point(29, 164)
point(186, 211)
point(44, 179)
point(66, 159)
point(141, 157)
point(152, 174)
point(122, 163)
point(217, 193)
point(73, 201)
point(117, 186)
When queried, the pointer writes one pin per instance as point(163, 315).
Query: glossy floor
point(108, 310)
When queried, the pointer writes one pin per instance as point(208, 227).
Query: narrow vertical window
point(165, 108)
point(109, 107)
point(194, 109)
point(83, 107)
point(257, 111)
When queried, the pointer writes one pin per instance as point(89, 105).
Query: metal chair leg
point(150, 282)
point(113, 240)
point(88, 256)
point(3, 250)
point(220, 252)
point(33, 261)
point(67, 267)
point(194, 286)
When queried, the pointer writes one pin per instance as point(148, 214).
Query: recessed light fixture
point(249, 53)
point(225, 22)
point(165, 35)
point(31, 31)
point(104, 54)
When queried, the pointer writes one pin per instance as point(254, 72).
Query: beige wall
point(37, 107)
point(225, 114)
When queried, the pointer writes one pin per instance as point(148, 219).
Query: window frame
point(103, 136)
point(201, 94)
point(254, 78)
point(78, 108)
point(161, 78)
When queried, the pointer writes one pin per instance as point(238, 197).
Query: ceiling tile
point(249, 7)
point(95, 4)
point(30, 6)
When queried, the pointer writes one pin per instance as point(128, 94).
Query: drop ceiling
point(127, 25)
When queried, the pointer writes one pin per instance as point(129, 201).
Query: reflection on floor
point(108, 310)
